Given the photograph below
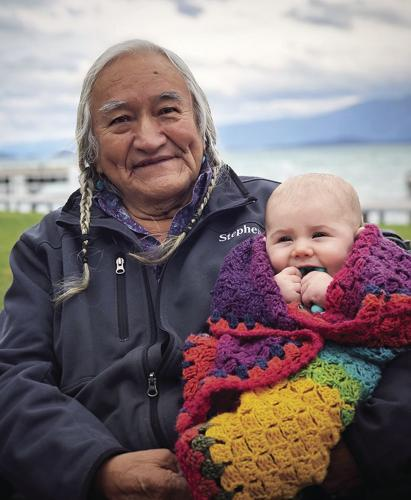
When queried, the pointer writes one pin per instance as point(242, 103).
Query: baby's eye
point(120, 119)
point(282, 239)
point(319, 234)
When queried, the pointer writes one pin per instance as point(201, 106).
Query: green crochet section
point(356, 363)
point(335, 376)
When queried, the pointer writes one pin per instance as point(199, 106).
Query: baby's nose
point(302, 249)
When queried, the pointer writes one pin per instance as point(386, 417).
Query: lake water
point(378, 172)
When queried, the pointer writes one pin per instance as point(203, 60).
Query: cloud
point(343, 14)
point(189, 8)
point(321, 13)
point(192, 8)
point(9, 25)
point(23, 3)
point(234, 110)
point(254, 60)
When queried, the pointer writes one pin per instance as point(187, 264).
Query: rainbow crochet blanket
point(270, 387)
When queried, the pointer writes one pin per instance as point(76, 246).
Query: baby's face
point(313, 235)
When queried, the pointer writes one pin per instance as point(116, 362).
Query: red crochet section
point(222, 327)
point(382, 320)
point(374, 261)
point(201, 354)
point(191, 467)
point(202, 383)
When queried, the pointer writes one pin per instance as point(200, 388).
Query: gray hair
point(88, 154)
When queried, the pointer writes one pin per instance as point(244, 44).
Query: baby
point(270, 386)
point(312, 221)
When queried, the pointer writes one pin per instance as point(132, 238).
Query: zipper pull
point(120, 266)
point(152, 390)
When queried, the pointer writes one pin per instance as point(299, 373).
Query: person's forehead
point(145, 73)
point(304, 211)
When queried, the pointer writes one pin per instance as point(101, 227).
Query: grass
point(13, 224)
point(403, 231)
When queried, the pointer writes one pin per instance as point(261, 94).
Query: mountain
point(6, 156)
point(374, 121)
point(377, 121)
point(41, 150)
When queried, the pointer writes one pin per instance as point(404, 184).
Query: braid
point(202, 206)
point(86, 188)
point(72, 286)
point(160, 254)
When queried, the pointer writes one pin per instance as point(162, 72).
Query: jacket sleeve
point(50, 444)
point(380, 436)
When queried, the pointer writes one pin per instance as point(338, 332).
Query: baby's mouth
point(307, 269)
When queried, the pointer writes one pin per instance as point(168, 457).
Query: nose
point(148, 134)
point(302, 248)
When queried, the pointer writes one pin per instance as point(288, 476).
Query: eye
point(319, 234)
point(120, 119)
point(167, 110)
point(284, 239)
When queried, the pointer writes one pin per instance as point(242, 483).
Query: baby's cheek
point(277, 260)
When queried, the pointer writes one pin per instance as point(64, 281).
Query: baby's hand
point(314, 288)
point(289, 283)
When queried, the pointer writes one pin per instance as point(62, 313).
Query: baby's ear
point(359, 231)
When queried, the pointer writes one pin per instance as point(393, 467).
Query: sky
point(256, 60)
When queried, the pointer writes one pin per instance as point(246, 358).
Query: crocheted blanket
point(270, 387)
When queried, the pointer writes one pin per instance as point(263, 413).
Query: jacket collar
point(229, 193)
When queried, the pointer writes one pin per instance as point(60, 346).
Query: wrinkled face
point(143, 120)
point(315, 235)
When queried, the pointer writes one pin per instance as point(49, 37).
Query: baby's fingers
point(292, 271)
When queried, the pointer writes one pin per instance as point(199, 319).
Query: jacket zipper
point(122, 313)
point(152, 391)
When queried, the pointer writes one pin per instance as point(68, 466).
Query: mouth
point(307, 269)
point(152, 161)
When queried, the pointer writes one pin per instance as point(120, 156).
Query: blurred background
point(294, 85)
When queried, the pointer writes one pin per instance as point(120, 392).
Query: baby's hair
point(301, 189)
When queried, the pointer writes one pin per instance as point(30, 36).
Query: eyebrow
point(111, 106)
point(170, 95)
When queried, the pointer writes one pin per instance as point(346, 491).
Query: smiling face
point(149, 145)
point(317, 233)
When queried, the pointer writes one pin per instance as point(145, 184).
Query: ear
point(358, 232)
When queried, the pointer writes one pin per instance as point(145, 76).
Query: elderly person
point(106, 290)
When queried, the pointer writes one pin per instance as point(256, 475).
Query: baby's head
point(312, 220)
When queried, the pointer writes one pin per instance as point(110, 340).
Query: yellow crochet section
point(278, 439)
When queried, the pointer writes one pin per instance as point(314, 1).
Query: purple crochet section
point(375, 264)
point(246, 289)
point(235, 356)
